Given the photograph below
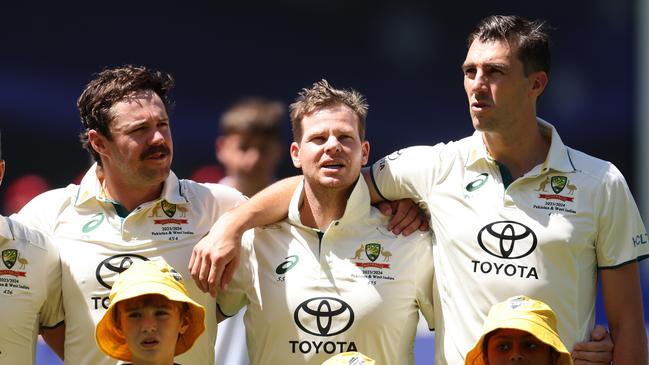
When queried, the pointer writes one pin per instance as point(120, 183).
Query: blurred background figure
point(21, 190)
point(250, 144)
point(249, 147)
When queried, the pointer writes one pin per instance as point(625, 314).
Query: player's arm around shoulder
point(235, 296)
point(215, 258)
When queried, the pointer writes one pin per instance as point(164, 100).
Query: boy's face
point(249, 156)
point(151, 325)
point(516, 347)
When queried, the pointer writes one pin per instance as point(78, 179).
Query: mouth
point(332, 165)
point(479, 105)
point(155, 153)
point(149, 343)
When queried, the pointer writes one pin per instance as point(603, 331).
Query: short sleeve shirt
point(311, 294)
point(30, 290)
point(544, 235)
point(96, 244)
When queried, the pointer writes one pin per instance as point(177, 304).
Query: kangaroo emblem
point(357, 255)
point(155, 211)
point(182, 210)
point(543, 184)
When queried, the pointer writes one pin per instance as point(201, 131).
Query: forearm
point(623, 303)
point(267, 206)
point(55, 339)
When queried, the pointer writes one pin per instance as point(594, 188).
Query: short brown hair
point(322, 95)
point(530, 37)
point(254, 115)
point(111, 86)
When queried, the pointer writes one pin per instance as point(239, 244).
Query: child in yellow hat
point(520, 331)
point(150, 318)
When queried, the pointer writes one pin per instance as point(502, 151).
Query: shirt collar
point(358, 204)
point(90, 189)
point(558, 157)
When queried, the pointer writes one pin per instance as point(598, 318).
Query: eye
point(134, 315)
point(317, 139)
point(469, 72)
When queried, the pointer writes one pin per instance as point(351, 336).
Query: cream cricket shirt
point(96, 244)
point(312, 294)
point(30, 290)
point(544, 235)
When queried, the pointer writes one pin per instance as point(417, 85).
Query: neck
point(128, 195)
point(520, 148)
point(323, 206)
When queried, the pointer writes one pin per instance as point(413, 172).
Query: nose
point(332, 145)
point(158, 137)
point(149, 324)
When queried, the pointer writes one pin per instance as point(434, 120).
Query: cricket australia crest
point(9, 257)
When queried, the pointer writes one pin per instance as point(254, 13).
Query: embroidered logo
point(558, 184)
point(477, 183)
point(93, 223)
point(9, 257)
point(170, 211)
point(287, 265)
point(372, 251)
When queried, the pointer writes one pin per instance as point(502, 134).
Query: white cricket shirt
point(544, 235)
point(30, 290)
point(96, 244)
point(311, 294)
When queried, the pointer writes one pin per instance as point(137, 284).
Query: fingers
point(215, 274)
point(228, 273)
point(385, 207)
point(599, 333)
point(598, 351)
point(405, 214)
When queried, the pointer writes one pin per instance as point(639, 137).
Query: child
point(520, 330)
point(150, 318)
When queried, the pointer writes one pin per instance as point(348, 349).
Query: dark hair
point(323, 95)
point(530, 37)
point(111, 86)
point(0, 144)
point(254, 115)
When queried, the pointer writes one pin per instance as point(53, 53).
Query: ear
point(185, 321)
point(539, 81)
point(295, 155)
point(365, 152)
point(98, 142)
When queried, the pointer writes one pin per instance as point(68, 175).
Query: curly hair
point(111, 86)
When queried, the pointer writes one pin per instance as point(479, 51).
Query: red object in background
point(208, 173)
point(21, 190)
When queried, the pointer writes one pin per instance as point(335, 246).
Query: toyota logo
point(324, 316)
point(115, 265)
point(507, 239)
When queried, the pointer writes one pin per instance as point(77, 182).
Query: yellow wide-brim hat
point(350, 358)
point(525, 314)
point(142, 278)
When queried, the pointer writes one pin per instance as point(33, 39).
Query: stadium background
point(404, 56)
